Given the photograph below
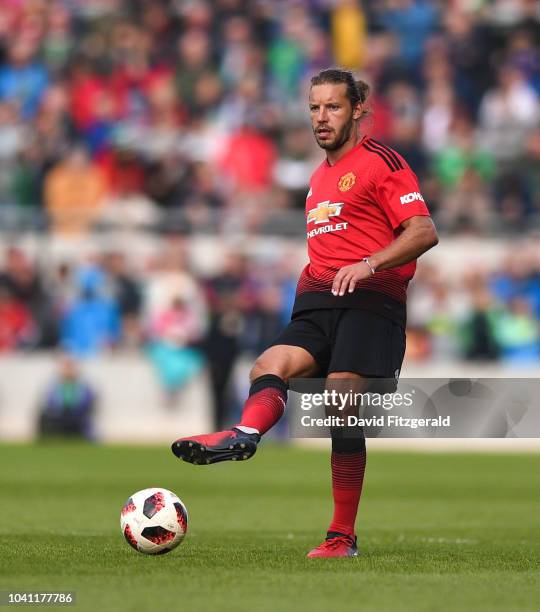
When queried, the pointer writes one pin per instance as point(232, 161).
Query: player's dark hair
point(357, 90)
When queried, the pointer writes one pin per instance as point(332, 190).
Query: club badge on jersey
point(347, 181)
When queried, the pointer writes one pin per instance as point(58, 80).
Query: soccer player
point(366, 225)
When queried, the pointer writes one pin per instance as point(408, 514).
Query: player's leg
point(269, 378)
point(366, 346)
point(262, 409)
point(298, 351)
point(348, 464)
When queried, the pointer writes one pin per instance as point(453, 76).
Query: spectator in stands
point(240, 55)
point(523, 53)
point(412, 22)
point(465, 172)
point(480, 325)
point(17, 329)
point(86, 89)
point(26, 189)
point(170, 279)
point(507, 112)
point(461, 153)
point(194, 61)
point(349, 33)
point(469, 43)
point(74, 193)
point(176, 316)
point(531, 171)
point(54, 129)
point(58, 40)
point(438, 116)
point(264, 322)
point(12, 141)
point(12, 131)
point(62, 287)
point(68, 406)
point(91, 322)
point(510, 279)
point(467, 206)
point(406, 126)
point(23, 79)
point(126, 292)
point(286, 56)
point(437, 310)
point(23, 281)
point(229, 296)
point(248, 160)
point(128, 210)
point(296, 159)
point(173, 332)
point(517, 333)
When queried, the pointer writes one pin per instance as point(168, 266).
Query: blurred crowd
point(191, 115)
point(489, 313)
point(156, 306)
point(183, 318)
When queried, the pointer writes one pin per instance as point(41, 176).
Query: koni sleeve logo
point(414, 196)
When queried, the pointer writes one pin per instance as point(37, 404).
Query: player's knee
point(263, 367)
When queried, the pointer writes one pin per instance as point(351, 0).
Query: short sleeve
point(398, 193)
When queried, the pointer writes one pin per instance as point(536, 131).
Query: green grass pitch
point(436, 531)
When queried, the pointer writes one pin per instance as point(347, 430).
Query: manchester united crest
point(346, 181)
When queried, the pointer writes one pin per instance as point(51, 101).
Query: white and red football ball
point(154, 521)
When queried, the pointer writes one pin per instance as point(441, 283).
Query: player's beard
point(340, 139)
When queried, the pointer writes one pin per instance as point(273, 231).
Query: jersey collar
point(351, 152)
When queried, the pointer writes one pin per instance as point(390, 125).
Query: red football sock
point(347, 479)
point(265, 404)
point(263, 410)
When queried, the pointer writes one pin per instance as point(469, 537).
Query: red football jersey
point(354, 209)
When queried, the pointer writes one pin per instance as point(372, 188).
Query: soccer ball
point(154, 521)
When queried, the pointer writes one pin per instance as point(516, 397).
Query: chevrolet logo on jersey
point(323, 212)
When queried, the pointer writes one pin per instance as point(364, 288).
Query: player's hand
point(346, 278)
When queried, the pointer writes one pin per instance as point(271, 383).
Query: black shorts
point(348, 340)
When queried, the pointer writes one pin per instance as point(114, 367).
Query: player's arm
point(418, 236)
point(398, 195)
